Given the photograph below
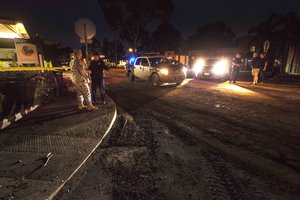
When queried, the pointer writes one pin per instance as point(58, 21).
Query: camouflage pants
point(83, 93)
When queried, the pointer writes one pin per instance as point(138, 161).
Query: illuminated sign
point(10, 30)
point(26, 52)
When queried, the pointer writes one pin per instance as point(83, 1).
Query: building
point(9, 30)
point(292, 65)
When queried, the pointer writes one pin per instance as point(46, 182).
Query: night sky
point(54, 19)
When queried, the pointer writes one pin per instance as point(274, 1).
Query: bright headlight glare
point(198, 66)
point(164, 71)
point(220, 67)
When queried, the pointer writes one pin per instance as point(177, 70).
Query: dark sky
point(54, 19)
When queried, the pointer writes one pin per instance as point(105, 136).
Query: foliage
point(284, 28)
point(282, 31)
point(111, 48)
point(166, 37)
point(267, 28)
point(129, 17)
point(211, 36)
point(56, 54)
point(95, 47)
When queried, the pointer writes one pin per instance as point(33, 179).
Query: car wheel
point(155, 80)
point(131, 76)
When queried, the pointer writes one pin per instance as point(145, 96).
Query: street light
point(130, 50)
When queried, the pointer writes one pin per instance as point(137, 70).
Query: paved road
point(201, 140)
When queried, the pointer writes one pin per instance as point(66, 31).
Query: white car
point(157, 69)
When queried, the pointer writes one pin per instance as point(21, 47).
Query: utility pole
point(86, 45)
point(116, 49)
point(86, 30)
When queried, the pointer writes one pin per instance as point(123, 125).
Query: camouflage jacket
point(79, 74)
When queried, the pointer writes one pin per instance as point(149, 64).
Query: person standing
point(81, 82)
point(236, 65)
point(97, 67)
point(263, 67)
point(256, 64)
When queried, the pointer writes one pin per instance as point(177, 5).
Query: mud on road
point(197, 141)
point(145, 159)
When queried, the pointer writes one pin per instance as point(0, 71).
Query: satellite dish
point(85, 28)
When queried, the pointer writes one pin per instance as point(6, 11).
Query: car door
point(146, 68)
point(138, 68)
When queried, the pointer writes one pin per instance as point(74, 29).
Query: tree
point(291, 30)
point(166, 37)
point(266, 30)
point(110, 48)
point(107, 48)
point(283, 31)
point(95, 47)
point(211, 36)
point(128, 18)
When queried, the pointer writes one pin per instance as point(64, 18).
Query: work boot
point(91, 108)
point(81, 107)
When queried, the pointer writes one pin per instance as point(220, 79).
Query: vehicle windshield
point(211, 61)
point(158, 60)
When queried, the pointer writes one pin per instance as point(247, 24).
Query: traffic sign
point(85, 28)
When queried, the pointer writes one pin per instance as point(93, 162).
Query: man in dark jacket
point(263, 67)
point(96, 67)
point(236, 65)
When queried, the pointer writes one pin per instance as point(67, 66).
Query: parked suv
point(212, 68)
point(157, 69)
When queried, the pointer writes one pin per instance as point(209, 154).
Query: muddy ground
point(201, 140)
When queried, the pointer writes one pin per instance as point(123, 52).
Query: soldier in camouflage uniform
point(81, 81)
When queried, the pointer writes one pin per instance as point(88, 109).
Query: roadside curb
point(52, 196)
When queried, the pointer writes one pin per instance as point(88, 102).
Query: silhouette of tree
point(110, 48)
point(95, 47)
point(266, 30)
point(281, 30)
point(166, 37)
point(291, 31)
point(211, 36)
point(128, 18)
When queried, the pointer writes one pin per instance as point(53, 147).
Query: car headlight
point(198, 66)
point(164, 71)
point(220, 67)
